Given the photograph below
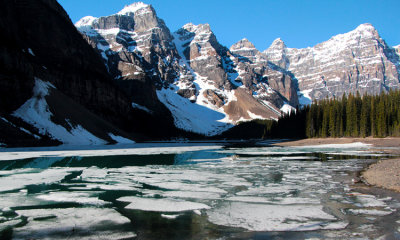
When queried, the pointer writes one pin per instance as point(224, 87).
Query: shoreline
point(385, 173)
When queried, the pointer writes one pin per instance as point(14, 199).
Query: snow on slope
point(36, 112)
point(133, 8)
point(120, 140)
point(190, 116)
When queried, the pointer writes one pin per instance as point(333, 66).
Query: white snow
point(135, 105)
point(31, 52)
point(190, 116)
point(286, 108)
point(255, 116)
point(133, 8)
point(161, 205)
point(36, 112)
point(120, 139)
point(304, 97)
point(85, 21)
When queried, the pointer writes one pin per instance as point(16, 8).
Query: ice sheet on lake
point(161, 205)
point(18, 181)
point(191, 194)
point(73, 223)
point(340, 146)
point(18, 199)
point(264, 217)
point(112, 150)
point(167, 216)
point(365, 200)
point(373, 212)
point(87, 197)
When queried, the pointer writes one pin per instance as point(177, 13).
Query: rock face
point(57, 89)
point(359, 60)
point(190, 63)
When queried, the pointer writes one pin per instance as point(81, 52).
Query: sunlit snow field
point(193, 191)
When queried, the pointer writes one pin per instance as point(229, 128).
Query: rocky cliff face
point(356, 61)
point(54, 88)
point(191, 64)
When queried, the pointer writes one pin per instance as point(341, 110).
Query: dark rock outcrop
point(40, 44)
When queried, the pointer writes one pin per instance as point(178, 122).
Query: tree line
point(351, 115)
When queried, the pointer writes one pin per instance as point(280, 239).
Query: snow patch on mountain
point(120, 140)
point(133, 8)
point(304, 97)
point(36, 112)
point(286, 108)
point(191, 116)
point(85, 21)
point(137, 106)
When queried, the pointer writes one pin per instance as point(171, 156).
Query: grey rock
point(359, 60)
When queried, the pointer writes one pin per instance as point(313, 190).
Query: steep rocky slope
point(54, 88)
point(359, 60)
point(193, 75)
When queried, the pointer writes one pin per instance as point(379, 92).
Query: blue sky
point(300, 23)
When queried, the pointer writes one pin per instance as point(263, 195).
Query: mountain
point(359, 60)
point(205, 86)
point(54, 88)
point(127, 77)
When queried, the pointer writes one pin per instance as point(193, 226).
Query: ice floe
point(265, 217)
point(20, 180)
point(87, 197)
point(161, 205)
point(73, 223)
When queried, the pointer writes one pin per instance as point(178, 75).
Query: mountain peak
point(243, 44)
point(277, 44)
point(133, 8)
point(366, 27)
point(85, 21)
point(197, 28)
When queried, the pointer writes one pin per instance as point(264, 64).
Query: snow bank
point(36, 112)
point(192, 117)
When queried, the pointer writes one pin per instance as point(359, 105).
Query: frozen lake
point(193, 191)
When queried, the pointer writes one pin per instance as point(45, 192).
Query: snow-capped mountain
point(359, 60)
point(190, 72)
